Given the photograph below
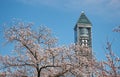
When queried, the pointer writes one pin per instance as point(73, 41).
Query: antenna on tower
point(82, 11)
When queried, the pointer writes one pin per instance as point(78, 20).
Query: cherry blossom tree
point(109, 67)
point(36, 54)
point(33, 49)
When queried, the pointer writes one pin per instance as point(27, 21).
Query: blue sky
point(61, 16)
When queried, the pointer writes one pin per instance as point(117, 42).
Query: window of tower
point(82, 41)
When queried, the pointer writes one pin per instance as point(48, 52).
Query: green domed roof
point(83, 19)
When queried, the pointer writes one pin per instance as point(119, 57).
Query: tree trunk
point(38, 75)
point(38, 70)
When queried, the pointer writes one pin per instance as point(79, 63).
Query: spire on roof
point(82, 12)
point(83, 19)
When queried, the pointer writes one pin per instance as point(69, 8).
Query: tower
point(82, 31)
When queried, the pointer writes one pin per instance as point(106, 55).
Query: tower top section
point(83, 19)
point(82, 31)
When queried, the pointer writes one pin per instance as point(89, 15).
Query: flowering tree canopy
point(37, 54)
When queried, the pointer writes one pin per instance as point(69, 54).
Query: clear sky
point(62, 15)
